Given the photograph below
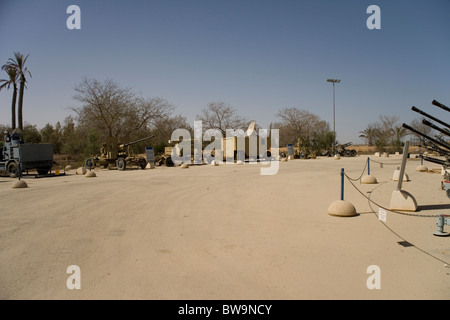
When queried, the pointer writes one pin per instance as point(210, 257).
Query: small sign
point(382, 215)
point(150, 153)
point(290, 149)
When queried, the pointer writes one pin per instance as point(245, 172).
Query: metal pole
point(402, 169)
point(342, 184)
point(334, 124)
point(368, 166)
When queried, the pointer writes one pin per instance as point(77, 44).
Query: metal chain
point(397, 212)
point(387, 209)
point(362, 173)
point(385, 163)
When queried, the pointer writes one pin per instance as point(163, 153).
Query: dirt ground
point(223, 232)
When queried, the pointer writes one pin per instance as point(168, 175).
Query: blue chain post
point(342, 184)
point(368, 166)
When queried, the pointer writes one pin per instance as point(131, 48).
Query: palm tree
point(6, 83)
point(370, 134)
point(398, 134)
point(22, 71)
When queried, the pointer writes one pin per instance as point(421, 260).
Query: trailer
point(17, 155)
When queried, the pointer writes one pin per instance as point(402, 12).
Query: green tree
point(53, 136)
point(7, 83)
point(31, 134)
point(18, 63)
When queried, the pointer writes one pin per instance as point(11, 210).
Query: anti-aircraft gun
point(438, 145)
point(120, 155)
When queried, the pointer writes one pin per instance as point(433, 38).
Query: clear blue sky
point(257, 55)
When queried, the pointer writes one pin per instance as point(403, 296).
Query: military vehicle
point(16, 154)
point(120, 156)
point(341, 149)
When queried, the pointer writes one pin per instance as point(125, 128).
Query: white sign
point(382, 215)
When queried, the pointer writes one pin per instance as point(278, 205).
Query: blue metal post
point(19, 171)
point(342, 184)
point(368, 166)
point(421, 159)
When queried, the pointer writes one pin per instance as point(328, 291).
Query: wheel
point(142, 163)
point(42, 171)
point(354, 153)
point(121, 164)
point(13, 170)
point(169, 162)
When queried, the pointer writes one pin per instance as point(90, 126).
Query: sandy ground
point(223, 232)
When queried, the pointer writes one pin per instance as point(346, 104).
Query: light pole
point(334, 114)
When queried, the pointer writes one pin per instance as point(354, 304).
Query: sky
point(259, 56)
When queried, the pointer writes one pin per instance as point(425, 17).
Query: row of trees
point(108, 111)
point(388, 134)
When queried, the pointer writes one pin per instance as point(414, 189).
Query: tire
point(169, 162)
point(43, 171)
point(142, 163)
point(13, 170)
point(121, 164)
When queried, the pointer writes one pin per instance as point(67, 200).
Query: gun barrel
point(440, 105)
point(137, 141)
point(434, 160)
point(441, 143)
point(435, 148)
point(430, 116)
point(427, 123)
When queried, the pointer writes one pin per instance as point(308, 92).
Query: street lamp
point(334, 114)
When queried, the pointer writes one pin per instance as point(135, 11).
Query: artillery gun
point(120, 156)
point(343, 152)
point(437, 144)
point(341, 149)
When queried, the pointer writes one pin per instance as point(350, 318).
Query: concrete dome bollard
point(184, 166)
point(19, 184)
point(342, 208)
point(239, 162)
point(369, 179)
point(337, 156)
point(90, 174)
point(81, 171)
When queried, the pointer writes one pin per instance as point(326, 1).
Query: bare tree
point(116, 112)
point(299, 123)
point(221, 116)
point(419, 126)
